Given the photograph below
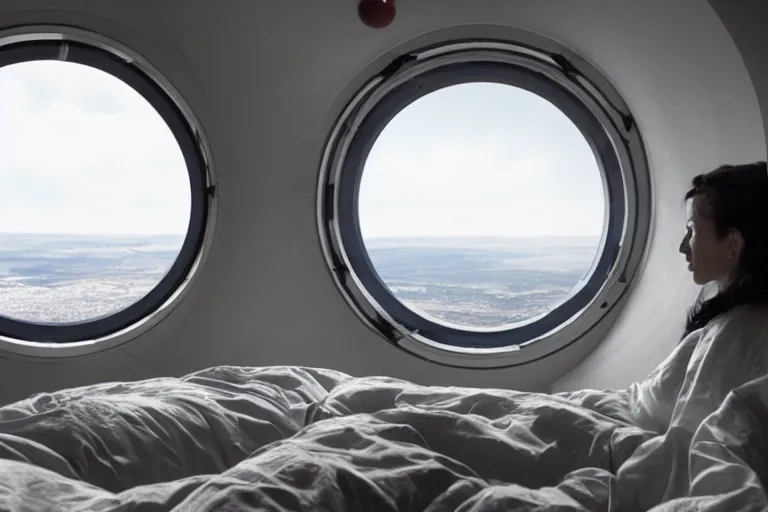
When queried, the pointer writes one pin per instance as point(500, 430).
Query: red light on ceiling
point(376, 13)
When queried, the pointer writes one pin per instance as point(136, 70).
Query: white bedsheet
point(690, 437)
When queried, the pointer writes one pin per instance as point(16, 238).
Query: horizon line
point(390, 237)
point(477, 236)
point(49, 233)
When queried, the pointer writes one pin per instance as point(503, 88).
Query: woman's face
point(709, 257)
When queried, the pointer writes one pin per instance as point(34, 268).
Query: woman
point(726, 241)
point(725, 343)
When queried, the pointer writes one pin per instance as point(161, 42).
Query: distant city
point(73, 278)
point(472, 282)
point(483, 282)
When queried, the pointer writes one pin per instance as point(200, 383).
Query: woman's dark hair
point(737, 199)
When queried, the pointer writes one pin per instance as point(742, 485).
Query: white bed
point(292, 438)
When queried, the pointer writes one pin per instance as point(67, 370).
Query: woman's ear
point(735, 244)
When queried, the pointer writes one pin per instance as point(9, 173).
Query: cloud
point(481, 159)
point(82, 152)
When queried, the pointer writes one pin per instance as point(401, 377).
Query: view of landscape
point(82, 152)
point(471, 282)
point(470, 202)
point(60, 278)
point(483, 282)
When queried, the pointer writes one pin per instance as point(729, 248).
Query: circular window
point(478, 204)
point(105, 193)
point(481, 206)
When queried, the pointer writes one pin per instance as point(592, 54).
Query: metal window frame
point(569, 83)
point(74, 45)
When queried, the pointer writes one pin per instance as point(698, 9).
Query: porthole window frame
point(561, 77)
point(85, 47)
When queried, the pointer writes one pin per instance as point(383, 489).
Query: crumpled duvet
point(689, 437)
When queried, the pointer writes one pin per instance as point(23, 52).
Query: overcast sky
point(81, 152)
point(481, 159)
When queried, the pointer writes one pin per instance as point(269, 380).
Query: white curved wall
point(266, 79)
point(684, 141)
